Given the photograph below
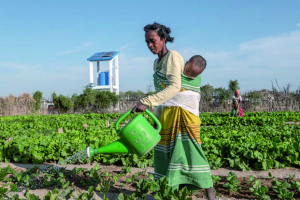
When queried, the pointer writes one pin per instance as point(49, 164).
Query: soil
point(293, 123)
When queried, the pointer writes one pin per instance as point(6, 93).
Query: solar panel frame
point(103, 56)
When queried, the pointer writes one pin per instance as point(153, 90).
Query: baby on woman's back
point(191, 76)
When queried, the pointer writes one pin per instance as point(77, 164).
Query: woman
point(178, 155)
point(236, 108)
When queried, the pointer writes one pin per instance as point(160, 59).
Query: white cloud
point(18, 78)
point(254, 63)
point(76, 49)
point(135, 72)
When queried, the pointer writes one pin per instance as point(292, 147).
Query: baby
point(191, 78)
point(190, 86)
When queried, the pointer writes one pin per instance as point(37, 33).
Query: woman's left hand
point(139, 108)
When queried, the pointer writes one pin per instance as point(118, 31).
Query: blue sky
point(44, 44)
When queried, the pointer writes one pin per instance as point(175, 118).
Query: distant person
point(178, 155)
point(236, 108)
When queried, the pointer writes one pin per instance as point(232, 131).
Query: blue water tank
point(107, 82)
point(102, 80)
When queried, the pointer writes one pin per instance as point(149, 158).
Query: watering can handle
point(147, 111)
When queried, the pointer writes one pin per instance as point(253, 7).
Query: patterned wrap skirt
point(179, 155)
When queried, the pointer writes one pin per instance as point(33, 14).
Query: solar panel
point(103, 56)
point(108, 54)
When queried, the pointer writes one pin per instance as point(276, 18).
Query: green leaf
point(66, 194)
point(14, 188)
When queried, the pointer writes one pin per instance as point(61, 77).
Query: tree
point(65, 103)
point(139, 94)
point(129, 95)
point(222, 95)
point(233, 86)
point(55, 100)
point(105, 99)
point(37, 96)
point(207, 92)
point(254, 97)
point(88, 97)
point(77, 102)
point(150, 93)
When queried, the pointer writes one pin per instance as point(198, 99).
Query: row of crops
point(131, 186)
point(258, 140)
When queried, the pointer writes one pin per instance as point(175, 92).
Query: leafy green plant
point(216, 179)
point(128, 180)
point(134, 179)
point(6, 170)
point(104, 186)
point(15, 197)
point(296, 185)
point(123, 196)
point(259, 191)
point(229, 145)
point(281, 189)
point(182, 194)
point(291, 177)
point(30, 178)
point(66, 194)
point(81, 196)
point(270, 176)
point(4, 191)
point(142, 189)
point(31, 196)
point(251, 180)
point(126, 170)
point(165, 191)
point(232, 183)
point(52, 195)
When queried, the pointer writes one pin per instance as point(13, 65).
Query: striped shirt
point(189, 83)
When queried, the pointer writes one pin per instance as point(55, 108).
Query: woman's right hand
point(139, 108)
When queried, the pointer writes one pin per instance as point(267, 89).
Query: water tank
point(107, 78)
point(102, 80)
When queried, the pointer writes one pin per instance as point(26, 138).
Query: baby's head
point(194, 66)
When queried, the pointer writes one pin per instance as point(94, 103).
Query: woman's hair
point(162, 31)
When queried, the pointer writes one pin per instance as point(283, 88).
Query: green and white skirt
point(179, 155)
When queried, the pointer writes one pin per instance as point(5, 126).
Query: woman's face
point(154, 42)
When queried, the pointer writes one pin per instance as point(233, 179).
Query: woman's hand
point(139, 108)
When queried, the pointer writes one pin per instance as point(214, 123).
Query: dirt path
point(293, 123)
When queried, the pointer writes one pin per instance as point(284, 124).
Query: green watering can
point(138, 137)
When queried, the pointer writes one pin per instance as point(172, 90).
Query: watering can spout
point(114, 147)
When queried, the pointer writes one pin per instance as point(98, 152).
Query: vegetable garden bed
point(259, 140)
point(80, 183)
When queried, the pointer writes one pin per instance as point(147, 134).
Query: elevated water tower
point(105, 79)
